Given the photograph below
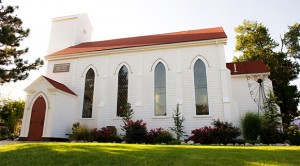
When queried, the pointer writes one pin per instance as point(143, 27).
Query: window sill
point(86, 118)
point(160, 117)
point(202, 116)
point(117, 118)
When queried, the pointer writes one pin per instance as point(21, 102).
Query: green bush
point(174, 142)
point(4, 133)
point(159, 135)
point(251, 126)
point(11, 114)
point(81, 133)
point(224, 132)
point(135, 132)
point(293, 134)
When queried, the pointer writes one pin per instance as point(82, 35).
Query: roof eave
point(138, 48)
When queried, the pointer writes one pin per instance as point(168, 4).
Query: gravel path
point(5, 142)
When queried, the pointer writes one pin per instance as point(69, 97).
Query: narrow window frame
point(201, 110)
point(122, 89)
point(157, 89)
point(88, 95)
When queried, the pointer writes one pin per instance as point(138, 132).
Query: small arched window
point(88, 94)
point(122, 91)
point(201, 98)
point(160, 90)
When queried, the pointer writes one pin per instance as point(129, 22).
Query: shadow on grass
point(120, 154)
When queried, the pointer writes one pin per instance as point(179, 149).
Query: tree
point(178, 128)
point(11, 113)
point(255, 43)
point(12, 66)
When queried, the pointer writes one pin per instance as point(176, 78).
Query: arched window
point(88, 94)
point(160, 90)
point(122, 91)
point(200, 81)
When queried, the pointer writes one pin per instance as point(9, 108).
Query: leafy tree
point(11, 113)
point(255, 43)
point(12, 66)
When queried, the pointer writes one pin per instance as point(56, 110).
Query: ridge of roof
point(59, 85)
point(148, 40)
point(247, 67)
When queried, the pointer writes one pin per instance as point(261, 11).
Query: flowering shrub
point(105, 135)
point(222, 132)
point(159, 135)
point(202, 135)
point(135, 132)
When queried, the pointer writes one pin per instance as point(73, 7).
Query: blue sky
point(125, 18)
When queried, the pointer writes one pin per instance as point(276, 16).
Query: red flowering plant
point(105, 135)
point(135, 131)
point(222, 132)
point(159, 135)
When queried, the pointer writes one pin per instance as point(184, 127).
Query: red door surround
point(37, 120)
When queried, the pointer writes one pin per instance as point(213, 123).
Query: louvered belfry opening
point(122, 91)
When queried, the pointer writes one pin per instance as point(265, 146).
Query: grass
point(126, 154)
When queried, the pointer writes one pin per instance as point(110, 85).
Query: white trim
point(90, 66)
point(157, 61)
point(29, 110)
point(121, 65)
point(202, 58)
point(194, 94)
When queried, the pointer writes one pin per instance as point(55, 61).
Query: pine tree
point(12, 66)
point(178, 128)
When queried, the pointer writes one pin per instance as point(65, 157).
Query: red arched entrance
point(37, 120)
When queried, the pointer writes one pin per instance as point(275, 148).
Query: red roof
point(247, 67)
point(59, 86)
point(168, 38)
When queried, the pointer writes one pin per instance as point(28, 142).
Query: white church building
point(90, 82)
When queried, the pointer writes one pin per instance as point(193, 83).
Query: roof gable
point(247, 67)
point(167, 38)
point(59, 86)
point(50, 82)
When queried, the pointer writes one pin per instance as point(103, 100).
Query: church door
point(37, 120)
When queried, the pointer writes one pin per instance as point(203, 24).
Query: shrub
point(135, 132)
point(174, 142)
point(81, 133)
point(105, 135)
point(270, 134)
point(293, 134)
point(224, 132)
point(159, 135)
point(251, 126)
point(4, 133)
point(11, 114)
point(202, 135)
point(271, 122)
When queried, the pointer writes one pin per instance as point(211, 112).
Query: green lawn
point(125, 154)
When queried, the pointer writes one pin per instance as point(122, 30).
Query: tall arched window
point(160, 90)
point(122, 91)
point(200, 81)
point(88, 94)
